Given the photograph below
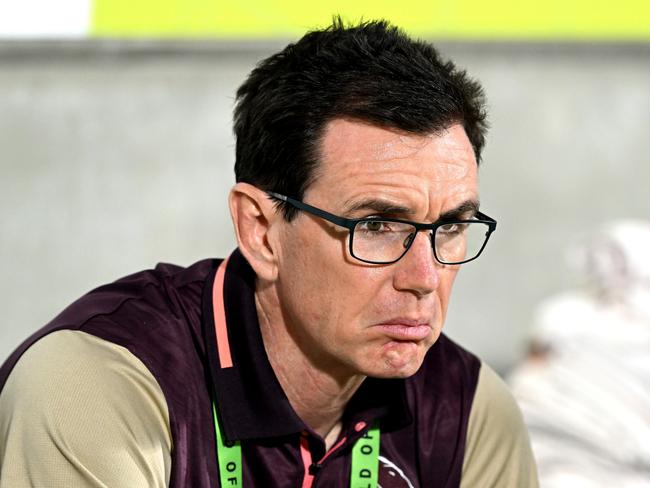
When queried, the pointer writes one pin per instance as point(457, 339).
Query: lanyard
point(365, 458)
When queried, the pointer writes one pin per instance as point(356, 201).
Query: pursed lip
point(405, 329)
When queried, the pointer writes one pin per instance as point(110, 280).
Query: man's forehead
point(350, 142)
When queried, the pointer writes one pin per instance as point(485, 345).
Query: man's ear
point(253, 214)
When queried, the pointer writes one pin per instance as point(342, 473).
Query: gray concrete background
point(117, 155)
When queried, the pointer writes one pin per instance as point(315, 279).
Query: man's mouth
point(403, 329)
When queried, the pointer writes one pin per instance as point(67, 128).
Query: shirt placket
point(313, 468)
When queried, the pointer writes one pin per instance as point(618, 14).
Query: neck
point(318, 395)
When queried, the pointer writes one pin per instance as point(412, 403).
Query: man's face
point(350, 317)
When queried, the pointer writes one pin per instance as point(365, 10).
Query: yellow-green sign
point(450, 19)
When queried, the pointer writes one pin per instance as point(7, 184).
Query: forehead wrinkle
point(400, 147)
point(442, 158)
point(410, 205)
point(356, 148)
point(393, 193)
point(441, 171)
point(399, 187)
point(356, 141)
point(393, 168)
point(387, 182)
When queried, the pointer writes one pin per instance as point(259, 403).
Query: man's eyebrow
point(384, 207)
point(376, 206)
point(460, 212)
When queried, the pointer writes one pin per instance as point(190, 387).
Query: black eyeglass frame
point(350, 224)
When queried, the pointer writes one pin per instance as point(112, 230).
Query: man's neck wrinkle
point(318, 398)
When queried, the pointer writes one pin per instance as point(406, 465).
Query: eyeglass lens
point(384, 241)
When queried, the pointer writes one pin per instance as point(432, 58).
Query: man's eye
point(374, 226)
point(452, 228)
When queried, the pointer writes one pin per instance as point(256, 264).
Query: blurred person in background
point(314, 354)
point(585, 388)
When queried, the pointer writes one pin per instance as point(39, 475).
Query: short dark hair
point(371, 72)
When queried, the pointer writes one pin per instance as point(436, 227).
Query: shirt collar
point(250, 402)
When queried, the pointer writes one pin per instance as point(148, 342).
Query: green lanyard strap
point(229, 455)
point(365, 458)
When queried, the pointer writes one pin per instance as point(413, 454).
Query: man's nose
point(418, 271)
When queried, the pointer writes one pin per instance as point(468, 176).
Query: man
point(313, 355)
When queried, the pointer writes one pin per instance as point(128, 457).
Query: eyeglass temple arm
point(487, 218)
point(335, 219)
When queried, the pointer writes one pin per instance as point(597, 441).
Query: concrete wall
point(114, 156)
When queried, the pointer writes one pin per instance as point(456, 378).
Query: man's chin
point(400, 360)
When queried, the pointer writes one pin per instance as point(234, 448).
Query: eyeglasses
point(378, 240)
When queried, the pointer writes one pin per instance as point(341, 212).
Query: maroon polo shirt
point(171, 317)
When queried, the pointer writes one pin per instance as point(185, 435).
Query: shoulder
point(497, 451)
point(84, 409)
point(166, 292)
